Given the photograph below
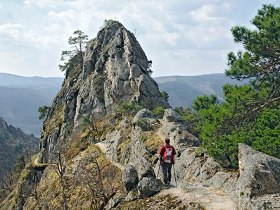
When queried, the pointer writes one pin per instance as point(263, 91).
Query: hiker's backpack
point(168, 156)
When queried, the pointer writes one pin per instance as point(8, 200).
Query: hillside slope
point(13, 142)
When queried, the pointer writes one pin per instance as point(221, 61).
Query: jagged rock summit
point(115, 70)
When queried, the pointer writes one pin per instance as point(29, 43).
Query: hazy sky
point(181, 37)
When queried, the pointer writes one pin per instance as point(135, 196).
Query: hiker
point(166, 156)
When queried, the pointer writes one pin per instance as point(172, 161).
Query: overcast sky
point(181, 37)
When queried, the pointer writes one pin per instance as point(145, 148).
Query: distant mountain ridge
point(182, 90)
point(7, 79)
point(20, 98)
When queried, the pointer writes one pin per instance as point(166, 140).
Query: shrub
point(143, 125)
point(158, 112)
point(43, 110)
point(129, 108)
point(164, 95)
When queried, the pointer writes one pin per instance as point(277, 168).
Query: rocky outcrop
point(259, 173)
point(259, 179)
point(255, 186)
point(116, 59)
point(148, 186)
point(171, 116)
point(115, 70)
point(144, 168)
point(14, 142)
point(179, 137)
point(130, 177)
point(144, 119)
point(192, 166)
point(144, 186)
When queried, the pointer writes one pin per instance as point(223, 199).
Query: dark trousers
point(166, 172)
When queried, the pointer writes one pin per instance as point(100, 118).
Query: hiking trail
point(208, 197)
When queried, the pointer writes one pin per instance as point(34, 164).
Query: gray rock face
point(179, 137)
point(132, 195)
point(174, 128)
point(257, 186)
point(148, 186)
point(171, 116)
point(130, 177)
point(259, 173)
point(113, 139)
point(192, 168)
point(259, 178)
point(115, 70)
point(137, 147)
point(143, 114)
point(113, 202)
point(144, 119)
point(144, 168)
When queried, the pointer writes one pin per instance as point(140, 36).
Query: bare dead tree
point(94, 178)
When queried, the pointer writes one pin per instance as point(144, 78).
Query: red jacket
point(162, 150)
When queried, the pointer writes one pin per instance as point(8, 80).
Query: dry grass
point(55, 121)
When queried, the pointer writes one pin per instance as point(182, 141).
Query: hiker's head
point(167, 141)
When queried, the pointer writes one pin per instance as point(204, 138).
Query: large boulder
point(142, 114)
point(113, 139)
point(144, 168)
point(259, 173)
point(192, 166)
point(258, 185)
point(148, 186)
point(130, 177)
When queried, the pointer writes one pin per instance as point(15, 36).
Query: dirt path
point(207, 197)
point(104, 149)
